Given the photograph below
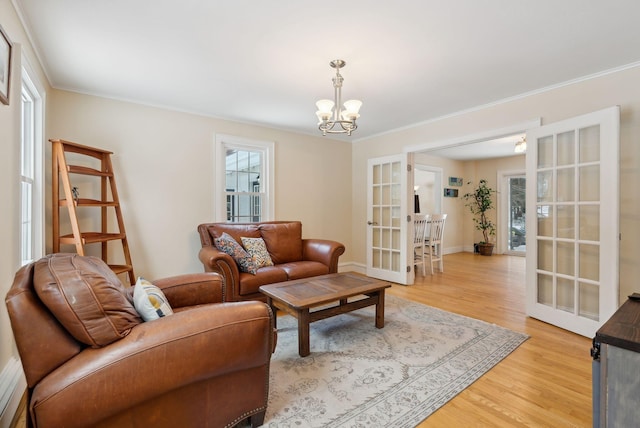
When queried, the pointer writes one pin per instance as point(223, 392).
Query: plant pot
point(485, 249)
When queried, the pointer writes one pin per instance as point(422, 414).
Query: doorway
point(427, 188)
point(466, 159)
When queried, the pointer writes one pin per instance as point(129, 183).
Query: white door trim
point(491, 134)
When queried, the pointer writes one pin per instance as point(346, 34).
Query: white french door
point(572, 221)
point(388, 221)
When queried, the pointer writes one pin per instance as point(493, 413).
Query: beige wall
point(620, 88)
point(164, 168)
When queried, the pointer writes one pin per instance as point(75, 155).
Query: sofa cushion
point(86, 297)
point(258, 250)
point(230, 246)
point(304, 269)
point(250, 284)
point(283, 240)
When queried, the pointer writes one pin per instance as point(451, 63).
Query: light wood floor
point(546, 382)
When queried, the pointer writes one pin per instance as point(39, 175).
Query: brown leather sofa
point(207, 365)
point(293, 257)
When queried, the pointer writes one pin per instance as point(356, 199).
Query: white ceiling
point(267, 62)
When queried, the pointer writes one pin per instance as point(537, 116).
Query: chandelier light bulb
point(325, 106)
point(521, 146)
point(351, 109)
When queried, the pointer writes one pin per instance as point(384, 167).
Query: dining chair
point(434, 240)
point(419, 230)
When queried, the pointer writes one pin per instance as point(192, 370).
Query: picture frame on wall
point(5, 66)
point(450, 193)
point(455, 181)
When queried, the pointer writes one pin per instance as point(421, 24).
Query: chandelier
point(338, 120)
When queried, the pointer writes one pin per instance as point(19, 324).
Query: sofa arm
point(192, 289)
point(217, 261)
point(323, 251)
point(216, 340)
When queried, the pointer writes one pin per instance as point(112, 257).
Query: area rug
point(361, 376)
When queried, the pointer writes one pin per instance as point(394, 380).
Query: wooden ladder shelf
point(61, 172)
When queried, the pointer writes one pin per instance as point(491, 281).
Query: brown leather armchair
point(207, 365)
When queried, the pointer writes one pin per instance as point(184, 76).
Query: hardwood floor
point(546, 382)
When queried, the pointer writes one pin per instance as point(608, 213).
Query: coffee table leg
point(303, 333)
point(380, 309)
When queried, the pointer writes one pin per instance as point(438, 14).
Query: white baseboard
point(12, 387)
point(451, 250)
point(362, 268)
point(352, 267)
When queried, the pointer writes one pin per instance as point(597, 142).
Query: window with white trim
point(244, 181)
point(31, 171)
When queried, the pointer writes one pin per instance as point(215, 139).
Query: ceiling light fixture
point(329, 116)
point(521, 146)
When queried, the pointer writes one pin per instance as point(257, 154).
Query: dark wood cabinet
point(616, 369)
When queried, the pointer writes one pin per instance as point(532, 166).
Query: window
point(517, 210)
point(244, 181)
point(31, 182)
point(512, 212)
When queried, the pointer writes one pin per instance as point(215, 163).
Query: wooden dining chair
point(434, 240)
point(419, 230)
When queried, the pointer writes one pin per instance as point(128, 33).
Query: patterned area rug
point(359, 376)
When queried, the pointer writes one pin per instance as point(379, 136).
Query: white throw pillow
point(150, 301)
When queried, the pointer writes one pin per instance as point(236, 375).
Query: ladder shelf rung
point(118, 269)
point(83, 202)
point(92, 237)
point(84, 170)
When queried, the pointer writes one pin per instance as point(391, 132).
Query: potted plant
point(480, 202)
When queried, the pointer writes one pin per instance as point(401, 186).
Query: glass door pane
point(517, 210)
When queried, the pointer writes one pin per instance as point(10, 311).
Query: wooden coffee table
point(297, 297)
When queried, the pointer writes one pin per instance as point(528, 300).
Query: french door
point(572, 221)
point(388, 220)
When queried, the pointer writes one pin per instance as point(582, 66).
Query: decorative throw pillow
point(258, 250)
point(245, 262)
point(150, 301)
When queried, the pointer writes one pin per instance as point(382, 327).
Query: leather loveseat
point(97, 364)
point(292, 257)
